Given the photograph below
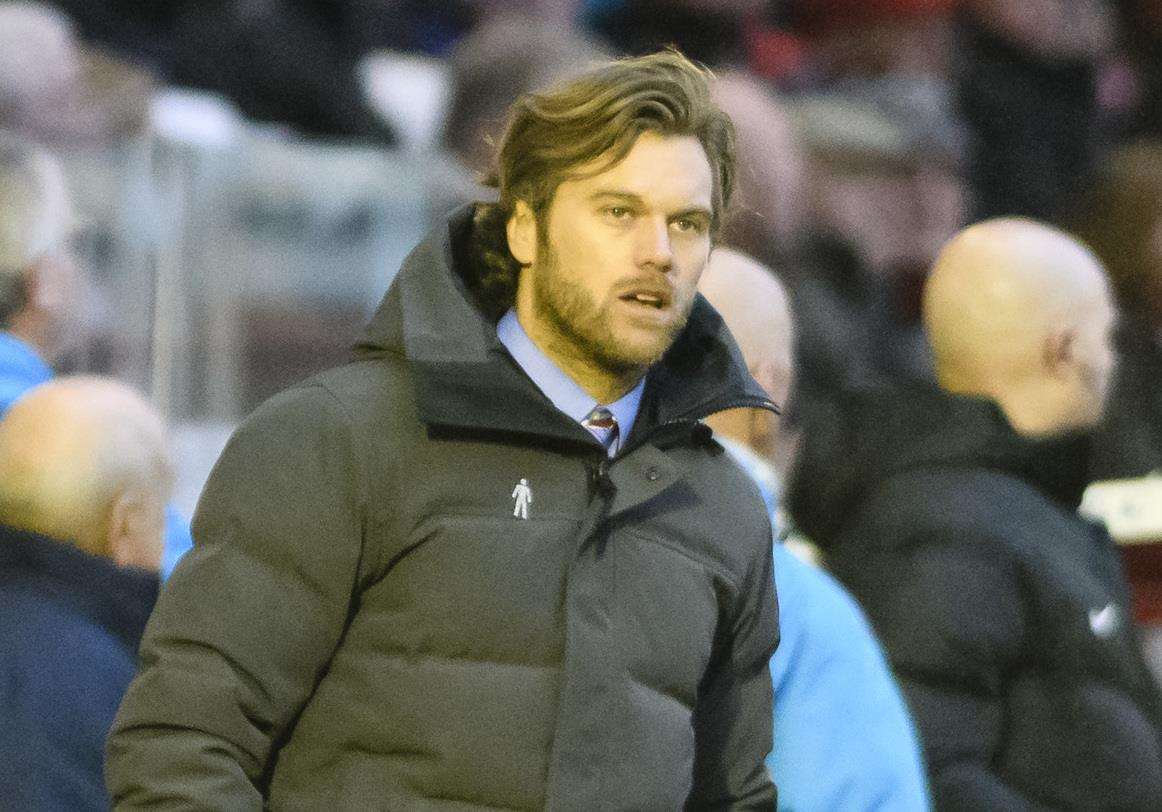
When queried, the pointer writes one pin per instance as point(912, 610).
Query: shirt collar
point(561, 390)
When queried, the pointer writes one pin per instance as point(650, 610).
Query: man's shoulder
point(46, 632)
point(371, 389)
point(734, 495)
point(957, 501)
point(383, 379)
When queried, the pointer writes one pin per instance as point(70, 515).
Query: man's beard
point(588, 326)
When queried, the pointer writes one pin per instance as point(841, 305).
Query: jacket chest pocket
point(478, 587)
point(667, 604)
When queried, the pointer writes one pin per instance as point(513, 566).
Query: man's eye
point(618, 212)
point(688, 224)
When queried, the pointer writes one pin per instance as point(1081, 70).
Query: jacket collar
point(882, 433)
point(464, 379)
point(118, 599)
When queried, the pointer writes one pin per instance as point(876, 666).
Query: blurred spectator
point(84, 476)
point(140, 30)
point(1026, 80)
point(848, 195)
point(41, 288)
point(57, 90)
point(560, 14)
point(951, 515)
point(509, 54)
point(886, 158)
point(1121, 219)
point(870, 38)
point(770, 208)
point(1141, 27)
point(709, 31)
point(884, 191)
point(287, 61)
point(843, 737)
point(40, 285)
point(506, 55)
point(297, 61)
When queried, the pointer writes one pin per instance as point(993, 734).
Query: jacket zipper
point(701, 411)
point(599, 482)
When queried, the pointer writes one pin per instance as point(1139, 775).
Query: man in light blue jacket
point(843, 736)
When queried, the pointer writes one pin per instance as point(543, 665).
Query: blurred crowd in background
point(248, 173)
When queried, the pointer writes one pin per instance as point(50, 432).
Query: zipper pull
point(600, 483)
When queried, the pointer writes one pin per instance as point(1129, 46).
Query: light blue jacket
point(843, 736)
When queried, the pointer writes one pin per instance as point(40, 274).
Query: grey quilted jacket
point(365, 624)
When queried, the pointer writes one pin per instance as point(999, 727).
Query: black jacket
point(1004, 614)
point(70, 623)
point(365, 623)
point(1129, 443)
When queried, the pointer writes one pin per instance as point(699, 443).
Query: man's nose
point(653, 243)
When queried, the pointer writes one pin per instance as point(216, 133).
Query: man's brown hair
point(597, 115)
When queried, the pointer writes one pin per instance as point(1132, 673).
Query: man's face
point(618, 261)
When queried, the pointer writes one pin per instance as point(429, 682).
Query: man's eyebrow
point(630, 197)
point(617, 194)
point(700, 211)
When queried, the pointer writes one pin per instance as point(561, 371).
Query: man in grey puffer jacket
point(497, 561)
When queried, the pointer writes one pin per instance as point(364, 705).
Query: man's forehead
point(664, 170)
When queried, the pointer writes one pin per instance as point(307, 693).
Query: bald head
point(757, 312)
point(85, 460)
point(1020, 312)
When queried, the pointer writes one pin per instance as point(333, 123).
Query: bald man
point(1004, 614)
point(84, 477)
point(843, 738)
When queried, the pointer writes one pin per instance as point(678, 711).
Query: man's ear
point(1058, 352)
point(133, 532)
point(521, 230)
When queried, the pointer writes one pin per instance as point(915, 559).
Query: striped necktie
point(603, 425)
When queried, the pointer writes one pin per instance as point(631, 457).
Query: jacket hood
point(464, 377)
point(872, 436)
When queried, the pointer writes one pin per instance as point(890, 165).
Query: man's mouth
point(646, 299)
point(652, 298)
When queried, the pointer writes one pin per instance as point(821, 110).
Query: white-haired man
point(38, 279)
point(41, 288)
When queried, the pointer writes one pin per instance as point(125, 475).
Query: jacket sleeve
point(247, 624)
point(733, 722)
point(954, 626)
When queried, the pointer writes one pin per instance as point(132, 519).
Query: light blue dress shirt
point(561, 390)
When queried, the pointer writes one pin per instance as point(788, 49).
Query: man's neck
point(603, 385)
